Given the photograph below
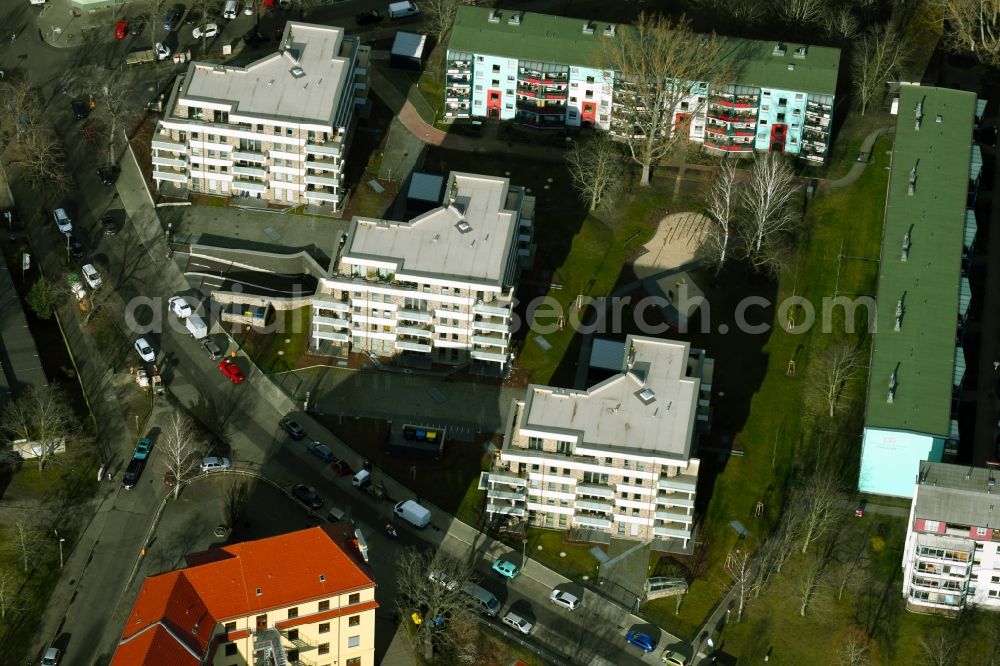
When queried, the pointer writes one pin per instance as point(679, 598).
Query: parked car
point(91, 275)
point(108, 174)
point(514, 620)
point(442, 579)
point(173, 18)
point(142, 448)
point(212, 349)
point(52, 657)
point(307, 495)
point(564, 599)
point(207, 30)
point(193, 16)
point(370, 17)
point(132, 473)
point(145, 350)
point(179, 306)
point(248, 9)
point(232, 371)
point(671, 658)
point(162, 51)
point(321, 451)
point(506, 569)
point(121, 29)
point(137, 25)
point(215, 464)
point(292, 427)
point(63, 222)
point(75, 246)
point(80, 109)
point(641, 640)
point(110, 226)
point(341, 468)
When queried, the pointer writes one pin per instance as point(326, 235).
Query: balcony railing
point(166, 142)
point(320, 195)
point(414, 331)
point(172, 176)
point(592, 521)
point(408, 314)
point(490, 341)
point(241, 155)
point(595, 490)
point(408, 345)
point(683, 482)
point(490, 326)
point(492, 357)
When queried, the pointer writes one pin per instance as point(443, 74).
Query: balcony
point(330, 321)
point(159, 160)
point(683, 482)
point(172, 176)
point(481, 308)
point(166, 142)
point(595, 505)
point(496, 493)
point(671, 532)
point(595, 490)
point(505, 479)
point(336, 306)
point(414, 331)
point(592, 521)
point(481, 355)
point(329, 148)
point(542, 78)
point(674, 517)
point(326, 181)
point(490, 341)
point(494, 327)
point(249, 156)
point(675, 500)
point(407, 345)
point(422, 316)
point(321, 195)
point(248, 185)
point(506, 510)
point(551, 110)
point(322, 165)
point(256, 172)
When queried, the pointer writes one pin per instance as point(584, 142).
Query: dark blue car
point(80, 109)
point(641, 640)
point(173, 18)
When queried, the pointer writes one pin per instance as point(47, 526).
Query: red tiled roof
point(221, 584)
point(155, 641)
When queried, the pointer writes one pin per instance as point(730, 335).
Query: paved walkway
point(858, 167)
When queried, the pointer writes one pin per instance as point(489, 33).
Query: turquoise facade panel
point(781, 109)
point(890, 460)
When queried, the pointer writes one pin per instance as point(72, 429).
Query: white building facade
point(436, 289)
point(277, 129)
point(616, 460)
point(952, 554)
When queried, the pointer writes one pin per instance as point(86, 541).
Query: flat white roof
point(409, 44)
point(302, 82)
point(470, 238)
point(649, 408)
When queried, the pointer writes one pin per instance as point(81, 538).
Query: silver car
point(515, 621)
point(564, 599)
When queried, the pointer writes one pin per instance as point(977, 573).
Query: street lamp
point(61, 539)
point(524, 552)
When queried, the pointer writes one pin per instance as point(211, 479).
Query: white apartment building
point(951, 556)
point(436, 289)
point(615, 460)
point(277, 129)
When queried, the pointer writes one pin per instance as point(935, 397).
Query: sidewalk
point(63, 26)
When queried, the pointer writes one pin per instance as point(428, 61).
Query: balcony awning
point(509, 480)
point(490, 326)
point(161, 160)
point(169, 144)
point(256, 172)
point(971, 228)
point(415, 315)
point(488, 341)
point(599, 491)
point(661, 531)
point(505, 495)
point(674, 516)
point(330, 321)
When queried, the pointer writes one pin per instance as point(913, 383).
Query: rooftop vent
point(588, 28)
point(259, 592)
point(779, 49)
point(515, 19)
point(791, 67)
point(495, 16)
point(800, 52)
point(906, 247)
point(463, 226)
point(610, 30)
point(647, 395)
point(911, 188)
point(918, 113)
point(297, 72)
point(938, 119)
point(322, 578)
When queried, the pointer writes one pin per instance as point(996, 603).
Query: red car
point(231, 370)
point(341, 468)
point(121, 29)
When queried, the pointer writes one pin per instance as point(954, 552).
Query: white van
point(229, 12)
point(196, 326)
point(398, 10)
point(361, 479)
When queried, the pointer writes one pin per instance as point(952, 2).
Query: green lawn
point(269, 349)
point(771, 432)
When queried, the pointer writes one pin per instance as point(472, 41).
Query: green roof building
point(922, 297)
point(540, 70)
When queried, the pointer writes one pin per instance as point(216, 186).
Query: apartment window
point(535, 443)
point(980, 531)
point(640, 466)
point(353, 661)
point(293, 612)
point(626, 479)
point(293, 634)
point(495, 82)
point(496, 69)
point(553, 470)
point(607, 461)
point(974, 577)
point(782, 101)
point(995, 579)
point(354, 598)
point(230, 626)
point(353, 641)
point(260, 127)
point(230, 649)
point(589, 94)
point(324, 648)
point(324, 628)
point(353, 620)
point(636, 496)
point(324, 605)
point(562, 520)
point(572, 100)
point(550, 486)
point(534, 468)
point(781, 117)
point(590, 79)
point(635, 512)
point(510, 77)
point(293, 655)
point(479, 58)
point(994, 593)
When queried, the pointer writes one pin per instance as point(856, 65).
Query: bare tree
point(152, 12)
point(879, 56)
point(235, 501)
point(658, 65)
point(429, 587)
point(22, 109)
point(439, 15)
point(855, 647)
point(179, 450)
point(852, 570)
point(26, 538)
point(744, 568)
point(41, 160)
point(10, 588)
point(776, 550)
point(938, 648)
point(799, 12)
point(840, 22)
point(819, 498)
point(597, 170)
point(746, 12)
point(723, 202)
point(109, 91)
point(767, 198)
point(832, 378)
point(973, 27)
point(208, 11)
point(42, 417)
point(808, 582)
